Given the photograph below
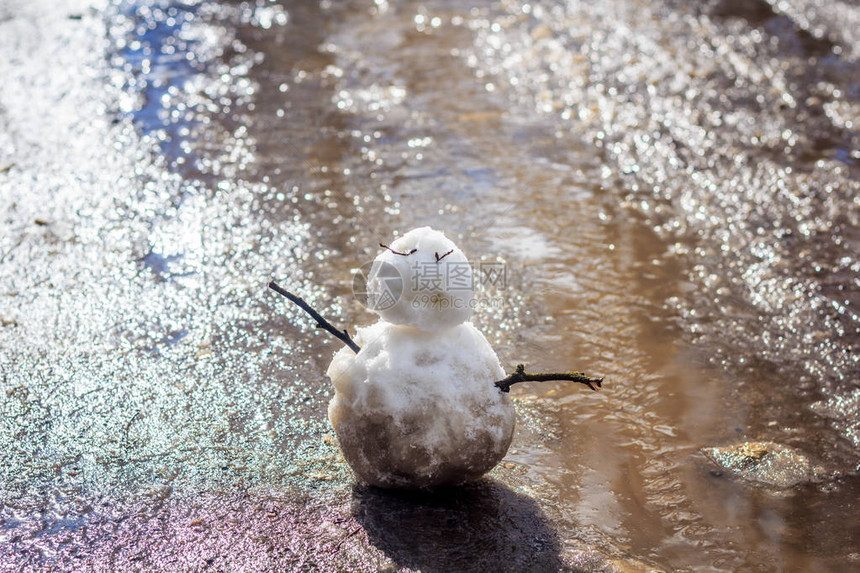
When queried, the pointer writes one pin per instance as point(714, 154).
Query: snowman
point(421, 399)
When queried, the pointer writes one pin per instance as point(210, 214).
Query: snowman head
point(423, 280)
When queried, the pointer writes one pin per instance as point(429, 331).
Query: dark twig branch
point(439, 258)
point(344, 538)
point(341, 335)
point(384, 246)
point(520, 376)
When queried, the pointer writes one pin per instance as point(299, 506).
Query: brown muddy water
point(661, 193)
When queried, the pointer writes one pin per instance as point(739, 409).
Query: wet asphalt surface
point(670, 189)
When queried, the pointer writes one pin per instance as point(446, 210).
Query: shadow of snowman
point(483, 526)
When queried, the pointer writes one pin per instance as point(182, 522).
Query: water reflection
point(480, 527)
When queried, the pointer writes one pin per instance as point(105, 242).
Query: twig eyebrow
point(438, 258)
point(384, 246)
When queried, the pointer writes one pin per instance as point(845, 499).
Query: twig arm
point(520, 376)
point(341, 335)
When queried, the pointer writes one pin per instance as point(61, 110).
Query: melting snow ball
point(423, 280)
point(416, 409)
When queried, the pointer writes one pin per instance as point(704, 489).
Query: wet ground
point(662, 193)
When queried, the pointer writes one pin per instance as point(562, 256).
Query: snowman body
point(417, 406)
